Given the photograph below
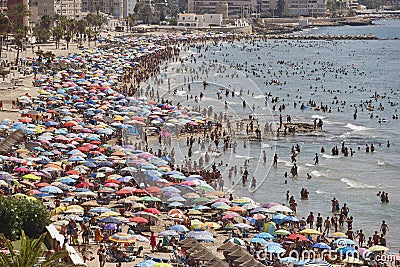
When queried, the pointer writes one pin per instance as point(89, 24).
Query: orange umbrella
point(237, 209)
point(138, 220)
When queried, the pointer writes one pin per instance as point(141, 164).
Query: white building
point(129, 7)
point(235, 7)
point(199, 21)
point(306, 8)
point(70, 8)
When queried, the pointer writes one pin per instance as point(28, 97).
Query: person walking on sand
point(153, 241)
point(101, 252)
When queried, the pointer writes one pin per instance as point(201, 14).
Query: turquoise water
point(349, 71)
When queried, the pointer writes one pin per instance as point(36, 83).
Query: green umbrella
point(150, 199)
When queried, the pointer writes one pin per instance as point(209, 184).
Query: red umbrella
point(42, 184)
point(70, 123)
point(112, 181)
point(138, 220)
point(83, 149)
point(73, 172)
point(84, 185)
point(299, 236)
point(153, 189)
point(124, 191)
point(139, 192)
point(152, 211)
point(26, 120)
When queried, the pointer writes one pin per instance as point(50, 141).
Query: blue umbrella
point(290, 219)
point(179, 228)
point(99, 209)
point(321, 246)
point(264, 235)
point(345, 250)
point(51, 189)
point(110, 220)
point(67, 180)
point(110, 226)
point(175, 204)
point(287, 260)
point(147, 263)
point(279, 218)
point(258, 240)
point(200, 235)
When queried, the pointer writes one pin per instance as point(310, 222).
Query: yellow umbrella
point(58, 210)
point(31, 177)
point(3, 183)
point(75, 207)
point(377, 248)
point(162, 264)
point(194, 212)
point(119, 118)
point(74, 211)
point(109, 214)
point(138, 206)
point(212, 225)
point(338, 234)
point(195, 224)
point(133, 198)
point(310, 232)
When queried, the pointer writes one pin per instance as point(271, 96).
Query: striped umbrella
point(122, 238)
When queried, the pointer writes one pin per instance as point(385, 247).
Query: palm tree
point(18, 11)
point(19, 37)
point(30, 252)
point(58, 33)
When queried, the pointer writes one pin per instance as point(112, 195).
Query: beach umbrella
point(346, 250)
point(99, 209)
point(168, 233)
point(236, 241)
point(338, 235)
point(200, 235)
point(31, 177)
point(344, 242)
point(122, 238)
point(317, 263)
point(321, 245)
point(242, 226)
point(139, 220)
point(258, 216)
point(352, 260)
point(110, 226)
point(282, 232)
point(310, 232)
point(146, 263)
point(258, 240)
point(162, 264)
point(278, 219)
point(237, 209)
point(141, 238)
point(274, 249)
point(150, 199)
point(112, 220)
point(230, 216)
point(287, 260)
point(212, 225)
point(377, 248)
point(175, 199)
point(179, 228)
point(264, 235)
point(279, 208)
point(51, 189)
point(297, 236)
point(195, 224)
point(175, 204)
point(270, 228)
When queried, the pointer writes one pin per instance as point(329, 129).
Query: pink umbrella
point(230, 216)
point(21, 169)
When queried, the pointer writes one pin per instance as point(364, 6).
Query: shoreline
point(219, 241)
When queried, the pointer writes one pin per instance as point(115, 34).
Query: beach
point(239, 85)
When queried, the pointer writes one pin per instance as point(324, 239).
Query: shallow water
point(354, 71)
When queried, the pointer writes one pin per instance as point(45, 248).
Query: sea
point(342, 74)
